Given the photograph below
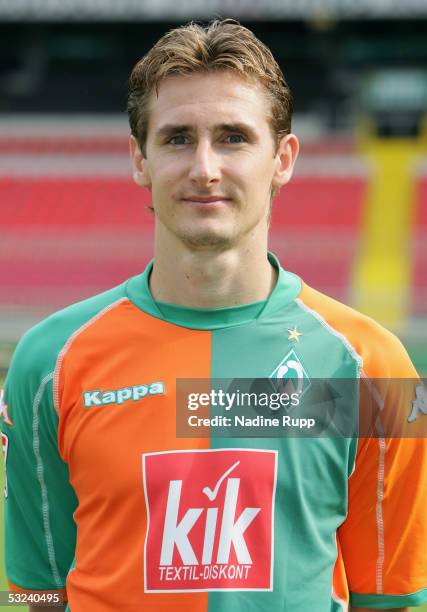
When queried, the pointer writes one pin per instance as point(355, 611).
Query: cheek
point(164, 175)
point(258, 180)
point(258, 168)
point(243, 171)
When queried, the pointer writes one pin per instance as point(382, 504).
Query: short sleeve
point(39, 529)
point(384, 537)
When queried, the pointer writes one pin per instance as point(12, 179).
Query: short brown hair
point(221, 45)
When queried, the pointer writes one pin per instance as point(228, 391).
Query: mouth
point(206, 201)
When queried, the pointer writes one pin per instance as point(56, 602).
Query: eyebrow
point(169, 129)
point(238, 127)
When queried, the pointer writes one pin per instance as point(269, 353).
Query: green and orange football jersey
point(104, 501)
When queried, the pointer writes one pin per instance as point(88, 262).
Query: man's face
point(210, 158)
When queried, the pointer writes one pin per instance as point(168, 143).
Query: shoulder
point(37, 351)
point(382, 353)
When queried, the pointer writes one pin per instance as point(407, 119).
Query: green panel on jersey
point(39, 536)
point(210, 318)
point(385, 602)
point(311, 493)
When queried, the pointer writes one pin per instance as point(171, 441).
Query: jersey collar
point(287, 288)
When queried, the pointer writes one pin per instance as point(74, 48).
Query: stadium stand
point(74, 223)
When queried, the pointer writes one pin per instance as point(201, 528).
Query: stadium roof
point(152, 10)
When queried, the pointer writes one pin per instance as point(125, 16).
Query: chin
point(206, 240)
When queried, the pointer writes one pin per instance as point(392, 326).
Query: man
point(96, 470)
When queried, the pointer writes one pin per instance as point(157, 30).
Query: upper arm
point(384, 537)
point(39, 500)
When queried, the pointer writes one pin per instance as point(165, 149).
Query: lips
point(206, 200)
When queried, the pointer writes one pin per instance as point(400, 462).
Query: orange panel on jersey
point(109, 366)
point(378, 559)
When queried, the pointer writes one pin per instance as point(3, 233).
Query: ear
point(286, 155)
point(140, 174)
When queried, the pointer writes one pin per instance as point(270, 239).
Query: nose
point(205, 169)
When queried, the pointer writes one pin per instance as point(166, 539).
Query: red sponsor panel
point(210, 520)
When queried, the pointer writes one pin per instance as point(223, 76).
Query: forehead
point(208, 98)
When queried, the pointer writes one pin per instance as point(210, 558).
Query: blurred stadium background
point(353, 222)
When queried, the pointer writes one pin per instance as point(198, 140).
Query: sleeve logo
point(5, 446)
point(210, 516)
point(4, 409)
point(419, 404)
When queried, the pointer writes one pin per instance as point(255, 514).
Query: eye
point(178, 139)
point(235, 138)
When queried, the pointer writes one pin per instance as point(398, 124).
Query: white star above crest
point(294, 334)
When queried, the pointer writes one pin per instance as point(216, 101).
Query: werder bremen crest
point(290, 375)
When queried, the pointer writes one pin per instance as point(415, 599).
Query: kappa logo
point(120, 396)
point(291, 375)
point(419, 404)
point(209, 526)
point(4, 409)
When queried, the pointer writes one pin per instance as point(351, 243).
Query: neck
point(208, 278)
